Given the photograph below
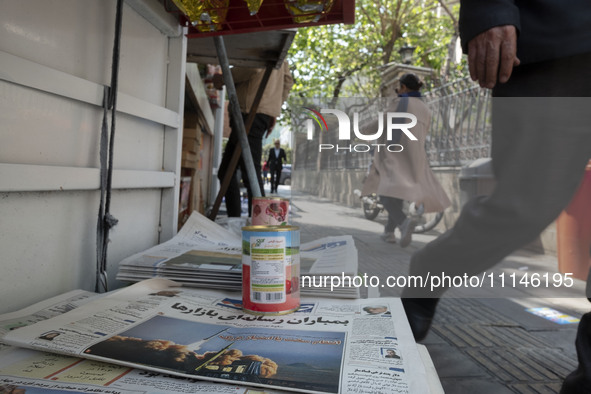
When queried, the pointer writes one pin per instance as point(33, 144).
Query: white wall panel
point(41, 128)
point(45, 129)
point(26, 73)
point(144, 59)
point(76, 37)
point(57, 56)
point(34, 178)
point(47, 240)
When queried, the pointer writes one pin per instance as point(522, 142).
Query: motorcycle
point(372, 207)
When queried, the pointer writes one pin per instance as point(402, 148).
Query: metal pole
point(218, 131)
point(237, 115)
point(238, 150)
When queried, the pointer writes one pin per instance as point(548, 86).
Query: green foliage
point(347, 60)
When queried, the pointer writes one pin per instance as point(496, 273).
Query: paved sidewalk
point(478, 345)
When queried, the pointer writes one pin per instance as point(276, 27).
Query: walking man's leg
point(232, 195)
point(274, 179)
point(540, 148)
point(255, 140)
point(396, 216)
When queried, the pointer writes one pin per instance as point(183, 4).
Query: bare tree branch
point(449, 13)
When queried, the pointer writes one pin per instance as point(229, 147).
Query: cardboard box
point(188, 164)
point(192, 132)
point(191, 145)
point(190, 156)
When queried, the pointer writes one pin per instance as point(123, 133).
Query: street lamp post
point(406, 52)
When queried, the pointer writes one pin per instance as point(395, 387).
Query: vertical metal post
point(218, 131)
point(243, 129)
point(237, 115)
point(173, 136)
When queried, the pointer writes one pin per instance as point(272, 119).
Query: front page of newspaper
point(327, 346)
point(31, 371)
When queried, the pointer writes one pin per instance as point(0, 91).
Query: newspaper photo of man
point(377, 310)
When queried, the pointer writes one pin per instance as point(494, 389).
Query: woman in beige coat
point(406, 176)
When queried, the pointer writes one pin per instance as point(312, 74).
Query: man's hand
point(492, 55)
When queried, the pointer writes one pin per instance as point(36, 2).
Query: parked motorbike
point(372, 207)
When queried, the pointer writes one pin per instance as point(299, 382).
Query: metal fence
point(460, 125)
point(459, 133)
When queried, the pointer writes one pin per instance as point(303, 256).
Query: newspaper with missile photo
point(326, 346)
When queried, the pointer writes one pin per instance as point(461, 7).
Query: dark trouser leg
point(540, 148)
point(579, 382)
point(255, 140)
point(278, 177)
point(232, 195)
point(395, 214)
point(275, 175)
point(273, 182)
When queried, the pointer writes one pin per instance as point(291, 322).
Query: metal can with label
point(270, 269)
point(269, 211)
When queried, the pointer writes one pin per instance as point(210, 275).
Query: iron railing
point(460, 124)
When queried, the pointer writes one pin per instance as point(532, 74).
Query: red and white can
point(270, 211)
point(270, 269)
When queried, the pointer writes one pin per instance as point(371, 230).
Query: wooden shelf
point(256, 49)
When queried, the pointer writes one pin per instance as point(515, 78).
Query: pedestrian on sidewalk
point(406, 176)
point(535, 56)
point(247, 82)
point(276, 157)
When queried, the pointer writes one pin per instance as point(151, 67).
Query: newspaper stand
point(259, 40)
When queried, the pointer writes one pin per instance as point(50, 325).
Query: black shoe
point(579, 382)
point(406, 229)
point(420, 312)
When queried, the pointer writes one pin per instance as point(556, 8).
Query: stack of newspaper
point(157, 337)
point(205, 254)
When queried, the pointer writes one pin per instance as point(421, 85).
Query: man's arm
point(489, 32)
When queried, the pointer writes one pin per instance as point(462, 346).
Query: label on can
point(270, 269)
point(267, 269)
point(270, 211)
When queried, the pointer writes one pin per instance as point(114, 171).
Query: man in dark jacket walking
point(535, 55)
point(275, 160)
